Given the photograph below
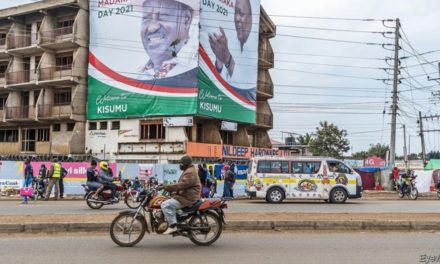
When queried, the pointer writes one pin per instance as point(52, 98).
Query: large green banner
point(229, 59)
point(143, 58)
point(173, 57)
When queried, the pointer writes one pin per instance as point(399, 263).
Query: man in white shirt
point(164, 31)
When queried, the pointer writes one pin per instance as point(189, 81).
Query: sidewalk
point(374, 195)
point(238, 221)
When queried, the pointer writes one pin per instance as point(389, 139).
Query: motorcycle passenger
point(105, 177)
point(92, 179)
point(405, 180)
point(187, 192)
point(136, 184)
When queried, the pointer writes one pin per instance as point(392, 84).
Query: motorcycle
point(105, 196)
point(39, 185)
point(409, 190)
point(202, 223)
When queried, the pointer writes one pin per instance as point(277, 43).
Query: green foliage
point(374, 150)
point(329, 141)
point(305, 140)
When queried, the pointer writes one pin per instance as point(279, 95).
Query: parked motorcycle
point(409, 190)
point(105, 196)
point(202, 223)
point(39, 186)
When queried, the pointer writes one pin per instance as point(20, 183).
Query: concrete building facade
point(43, 95)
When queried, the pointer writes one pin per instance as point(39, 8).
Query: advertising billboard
point(143, 58)
point(229, 59)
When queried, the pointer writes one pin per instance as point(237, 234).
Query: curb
point(240, 226)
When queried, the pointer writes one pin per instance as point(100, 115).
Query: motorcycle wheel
point(206, 219)
point(401, 194)
point(414, 194)
point(438, 194)
point(91, 204)
point(130, 201)
point(127, 231)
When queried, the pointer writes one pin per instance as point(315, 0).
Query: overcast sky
point(307, 93)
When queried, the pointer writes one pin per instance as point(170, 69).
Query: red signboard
point(374, 161)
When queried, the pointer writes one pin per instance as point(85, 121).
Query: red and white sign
point(374, 161)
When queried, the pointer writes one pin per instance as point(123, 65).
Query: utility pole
point(422, 138)
point(404, 148)
point(395, 83)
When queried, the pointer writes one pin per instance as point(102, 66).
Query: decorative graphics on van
point(341, 179)
point(307, 186)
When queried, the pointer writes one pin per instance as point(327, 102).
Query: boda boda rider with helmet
point(106, 178)
point(92, 179)
point(186, 193)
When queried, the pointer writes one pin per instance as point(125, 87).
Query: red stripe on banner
point(219, 78)
point(136, 83)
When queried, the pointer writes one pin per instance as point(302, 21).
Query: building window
point(188, 131)
point(37, 62)
point(70, 126)
point(28, 137)
point(63, 97)
point(227, 137)
point(3, 99)
point(56, 127)
point(65, 22)
point(64, 61)
point(152, 131)
point(9, 135)
point(36, 95)
point(116, 125)
point(103, 125)
point(3, 68)
point(92, 126)
point(43, 134)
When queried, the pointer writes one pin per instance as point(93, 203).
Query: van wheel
point(275, 195)
point(338, 195)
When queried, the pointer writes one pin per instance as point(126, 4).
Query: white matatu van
point(279, 178)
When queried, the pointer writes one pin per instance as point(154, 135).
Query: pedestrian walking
point(64, 173)
point(28, 179)
point(228, 187)
point(54, 177)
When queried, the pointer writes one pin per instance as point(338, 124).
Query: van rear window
point(273, 166)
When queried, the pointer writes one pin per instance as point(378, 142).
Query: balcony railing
point(53, 111)
point(18, 77)
point(21, 41)
point(17, 112)
point(264, 119)
point(55, 72)
point(52, 36)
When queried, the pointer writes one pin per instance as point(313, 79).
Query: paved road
point(230, 248)
point(246, 206)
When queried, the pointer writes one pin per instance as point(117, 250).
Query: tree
point(329, 141)
point(305, 140)
point(374, 150)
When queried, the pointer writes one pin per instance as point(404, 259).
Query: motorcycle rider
point(105, 177)
point(92, 179)
point(187, 192)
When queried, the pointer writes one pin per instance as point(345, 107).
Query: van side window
point(305, 167)
point(297, 167)
point(263, 166)
point(266, 166)
point(279, 167)
point(338, 167)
